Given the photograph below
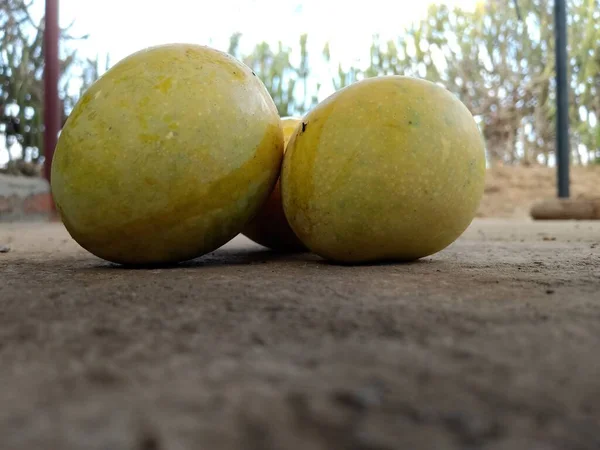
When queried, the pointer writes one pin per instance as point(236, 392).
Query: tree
point(290, 86)
point(21, 83)
point(498, 59)
point(500, 62)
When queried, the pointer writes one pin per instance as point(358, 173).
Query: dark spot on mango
point(253, 73)
point(304, 125)
point(191, 54)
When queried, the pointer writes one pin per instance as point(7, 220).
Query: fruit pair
point(178, 148)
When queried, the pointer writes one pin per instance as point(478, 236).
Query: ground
point(491, 344)
point(511, 191)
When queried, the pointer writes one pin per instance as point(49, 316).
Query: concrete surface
point(491, 344)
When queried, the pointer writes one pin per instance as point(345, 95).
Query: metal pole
point(52, 114)
point(562, 99)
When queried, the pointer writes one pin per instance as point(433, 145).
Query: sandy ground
point(491, 344)
point(511, 191)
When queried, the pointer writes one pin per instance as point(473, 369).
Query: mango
point(389, 168)
point(167, 156)
point(270, 228)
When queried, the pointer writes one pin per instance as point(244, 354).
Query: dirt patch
point(491, 344)
point(511, 191)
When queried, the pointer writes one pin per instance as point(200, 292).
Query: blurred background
point(497, 56)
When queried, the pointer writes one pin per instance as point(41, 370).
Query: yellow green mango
point(167, 156)
point(270, 227)
point(389, 168)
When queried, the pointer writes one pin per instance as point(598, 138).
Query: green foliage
point(21, 81)
point(497, 60)
point(288, 84)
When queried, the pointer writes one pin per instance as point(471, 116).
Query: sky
point(120, 27)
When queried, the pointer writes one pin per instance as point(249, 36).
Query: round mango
point(388, 168)
point(167, 156)
point(270, 227)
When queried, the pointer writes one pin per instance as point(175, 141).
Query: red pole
point(52, 112)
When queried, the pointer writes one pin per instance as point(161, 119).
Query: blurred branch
point(518, 10)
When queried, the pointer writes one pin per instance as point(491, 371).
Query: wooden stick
point(566, 209)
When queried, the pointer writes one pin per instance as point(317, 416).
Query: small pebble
point(4, 249)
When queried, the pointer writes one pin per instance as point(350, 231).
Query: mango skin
point(167, 156)
point(270, 227)
point(387, 169)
